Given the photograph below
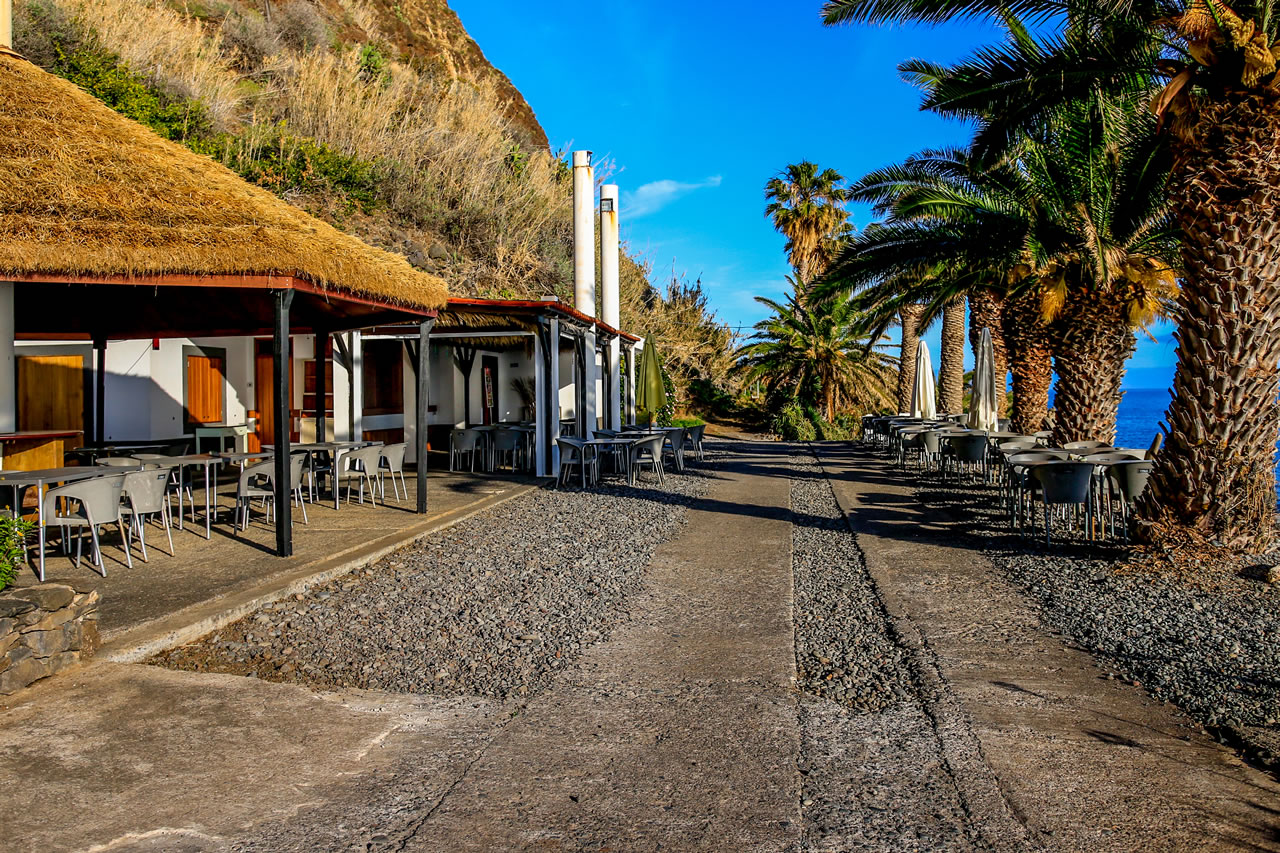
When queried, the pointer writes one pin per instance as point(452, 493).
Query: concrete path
point(678, 732)
point(1083, 762)
point(681, 731)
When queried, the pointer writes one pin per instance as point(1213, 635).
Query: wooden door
point(206, 386)
point(50, 392)
point(264, 384)
point(489, 388)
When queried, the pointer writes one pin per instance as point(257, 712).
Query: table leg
point(40, 522)
point(208, 521)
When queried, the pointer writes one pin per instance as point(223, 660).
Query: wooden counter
point(35, 449)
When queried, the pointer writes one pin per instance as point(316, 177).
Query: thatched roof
point(85, 191)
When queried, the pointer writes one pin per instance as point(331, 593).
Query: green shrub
point(273, 158)
point(828, 431)
point(13, 548)
point(687, 422)
point(793, 424)
point(101, 74)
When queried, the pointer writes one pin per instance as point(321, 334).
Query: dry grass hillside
point(381, 118)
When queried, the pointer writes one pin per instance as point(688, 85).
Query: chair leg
point(168, 531)
point(142, 539)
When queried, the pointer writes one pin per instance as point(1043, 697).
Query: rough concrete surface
point(684, 730)
point(1084, 763)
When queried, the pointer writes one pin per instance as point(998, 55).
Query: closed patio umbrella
point(651, 393)
point(984, 406)
point(924, 395)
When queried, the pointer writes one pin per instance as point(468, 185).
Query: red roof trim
point(267, 281)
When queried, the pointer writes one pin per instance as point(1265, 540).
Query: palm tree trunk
point(951, 359)
point(1092, 340)
point(1030, 361)
point(1215, 477)
point(985, 310)
point(910, 316)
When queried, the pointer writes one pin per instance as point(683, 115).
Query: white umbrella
point(924, 396)
point(984, 406)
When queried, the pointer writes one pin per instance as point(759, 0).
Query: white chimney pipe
point(6, 24)
point(584, 234)
point(609, 299)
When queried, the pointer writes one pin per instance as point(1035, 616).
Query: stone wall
point(45, 629)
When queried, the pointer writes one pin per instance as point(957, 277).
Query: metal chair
point(391, 463)
point(970, 449)
point(463, 441)
point(1019, 486)
point(255, 481)
point(646, 451)
point(508, 444)
point(1128, 480)
point(675, 437)
point(88, 503)
point(145, 496)
point(1064, 484)
point(358, 466)
point(574, 453)
point(694, 437)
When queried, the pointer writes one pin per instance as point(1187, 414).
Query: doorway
point(264, 385)
point(205, 385)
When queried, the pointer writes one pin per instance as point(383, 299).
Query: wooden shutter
point(50, 392)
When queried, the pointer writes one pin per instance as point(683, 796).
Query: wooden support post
point(280, 369)
point(322, 385)
point(99, 391)
point(420, 425)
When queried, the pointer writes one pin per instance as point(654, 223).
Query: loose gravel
point(874, 777)
point(494, 606)
point(1203, 635)
point(844, 651)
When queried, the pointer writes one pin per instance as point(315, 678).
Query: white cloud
point(652, 197)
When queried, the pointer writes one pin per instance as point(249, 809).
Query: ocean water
point(1141, 413)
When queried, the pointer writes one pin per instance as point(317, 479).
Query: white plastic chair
point(88, 503)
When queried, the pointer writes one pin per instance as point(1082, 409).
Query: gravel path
point(494, 606)
point(874, 778)
point(1205, 640)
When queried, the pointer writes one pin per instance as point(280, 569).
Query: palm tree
point(951, 358)
point(1072, 213)
point(804, 351)
point(1208, 69)
point(909, 320)
point(806, 204)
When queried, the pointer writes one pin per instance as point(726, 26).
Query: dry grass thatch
point(87, 191)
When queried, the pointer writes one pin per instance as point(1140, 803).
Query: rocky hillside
point(430, 33)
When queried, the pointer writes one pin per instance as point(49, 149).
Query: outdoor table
point(238, 433)
point(17, 479)
point(205, 460)
point(612, 443)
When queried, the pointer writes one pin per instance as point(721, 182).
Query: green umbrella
point(651, 393)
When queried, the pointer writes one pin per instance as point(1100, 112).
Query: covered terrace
point(110, 231)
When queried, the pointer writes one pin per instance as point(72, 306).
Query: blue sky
point(697, 105)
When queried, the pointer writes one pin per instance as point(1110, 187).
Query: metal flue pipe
point(609, 300)
point(584, 235)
